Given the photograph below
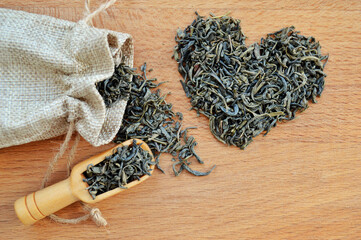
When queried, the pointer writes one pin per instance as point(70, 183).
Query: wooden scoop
point(44, 202)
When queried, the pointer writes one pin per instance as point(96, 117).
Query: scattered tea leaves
point(150, 118)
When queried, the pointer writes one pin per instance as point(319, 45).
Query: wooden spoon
point(44, 202)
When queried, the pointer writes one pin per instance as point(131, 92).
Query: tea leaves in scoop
point(126, 164)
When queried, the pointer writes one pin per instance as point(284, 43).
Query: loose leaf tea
point(245, 91)
point(117, 87)
point(127, 164)
point(150, 118)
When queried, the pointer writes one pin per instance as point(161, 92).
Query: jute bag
point(48, 71)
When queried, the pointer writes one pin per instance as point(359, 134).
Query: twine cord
point(61, 152)
point(72, 154)
point(87, 12)
point(93, 213)
point(101, 8)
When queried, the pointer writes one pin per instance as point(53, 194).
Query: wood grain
point(302, 181)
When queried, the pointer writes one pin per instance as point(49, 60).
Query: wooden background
point(302, 181)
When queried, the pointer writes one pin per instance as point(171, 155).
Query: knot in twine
point(97, 217)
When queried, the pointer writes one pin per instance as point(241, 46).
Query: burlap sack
point(48, 71)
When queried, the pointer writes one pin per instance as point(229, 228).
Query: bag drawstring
point(94, 213)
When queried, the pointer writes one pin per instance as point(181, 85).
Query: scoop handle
point(38, 205)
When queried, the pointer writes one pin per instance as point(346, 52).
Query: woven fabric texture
point(48, 71)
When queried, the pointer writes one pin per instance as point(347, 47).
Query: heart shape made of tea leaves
point(245, 90)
